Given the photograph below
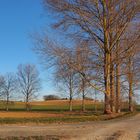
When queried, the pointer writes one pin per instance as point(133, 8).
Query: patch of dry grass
point(62, 102)
point(52, 105)
point(25, 114)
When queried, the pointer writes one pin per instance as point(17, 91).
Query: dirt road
point(122, 129)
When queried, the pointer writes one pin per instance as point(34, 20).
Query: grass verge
point(65, 119)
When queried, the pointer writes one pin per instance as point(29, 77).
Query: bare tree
point(2, 82)
point(66, 78)
point(132, 67)
point(29, 82)
point(82, 61)
point(9, 87)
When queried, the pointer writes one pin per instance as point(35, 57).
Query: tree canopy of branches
point(103, 24)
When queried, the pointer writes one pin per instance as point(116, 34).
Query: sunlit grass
point(52, 106)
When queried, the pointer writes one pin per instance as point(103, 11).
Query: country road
point(119, 129)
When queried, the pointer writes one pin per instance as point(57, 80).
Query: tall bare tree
point(131, 63)
point(67, 80)
point(29, 82)
point(82, 61)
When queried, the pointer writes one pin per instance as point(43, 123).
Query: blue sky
point(18, 19)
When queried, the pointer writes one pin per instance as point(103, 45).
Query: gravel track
point(119, 129)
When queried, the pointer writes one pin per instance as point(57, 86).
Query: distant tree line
point(56, 97)
point(51, 97)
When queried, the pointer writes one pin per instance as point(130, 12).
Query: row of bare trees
point(105, 54)
point(25, 83)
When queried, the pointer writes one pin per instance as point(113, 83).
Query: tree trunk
point(130, 78)
point(131, 109)
point(83, 104)
point(7, 103)
point(118, 83)
point(95, 104)
point(27, 104)
point(107, 109)
point(112, 89)
point(118, 89)
point(71, 94)
point(95, 107)
point(83, 95)
point(70, 104)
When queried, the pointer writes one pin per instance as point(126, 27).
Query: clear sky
point(18, 19)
